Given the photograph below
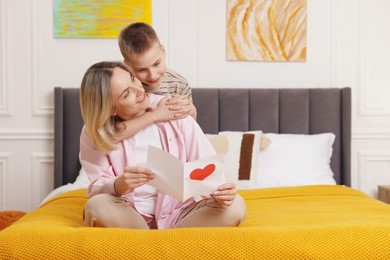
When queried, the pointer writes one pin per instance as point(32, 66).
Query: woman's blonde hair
point(97, 106)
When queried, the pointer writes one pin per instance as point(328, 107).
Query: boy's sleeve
point(179, 83)
point(186, 91)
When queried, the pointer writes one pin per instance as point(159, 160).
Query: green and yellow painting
point(98, 18)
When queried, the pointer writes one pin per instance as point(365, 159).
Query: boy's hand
point(163, 111)
point(182, 106)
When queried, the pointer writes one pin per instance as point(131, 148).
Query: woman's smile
point(141, 98)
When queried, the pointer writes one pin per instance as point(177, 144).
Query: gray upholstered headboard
point(298, 111)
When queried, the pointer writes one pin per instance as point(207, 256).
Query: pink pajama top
point(182, 138)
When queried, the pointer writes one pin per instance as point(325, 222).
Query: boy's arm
point(161, 113)
point(193, 111)
point(133, 126)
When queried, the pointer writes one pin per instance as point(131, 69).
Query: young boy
point(145, 56)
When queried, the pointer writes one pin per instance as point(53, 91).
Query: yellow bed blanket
point(309, 222)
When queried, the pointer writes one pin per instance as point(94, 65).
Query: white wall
point(347, 45)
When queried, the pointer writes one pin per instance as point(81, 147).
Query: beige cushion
point(239, 152)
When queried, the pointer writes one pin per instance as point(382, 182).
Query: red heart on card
point(201, 174)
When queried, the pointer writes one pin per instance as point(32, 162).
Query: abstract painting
point(98, 18)
point(266, 30)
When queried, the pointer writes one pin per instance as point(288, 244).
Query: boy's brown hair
point(136, 38)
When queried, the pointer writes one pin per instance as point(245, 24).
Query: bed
point(292, 220)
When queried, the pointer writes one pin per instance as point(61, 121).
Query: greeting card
point(184, 180)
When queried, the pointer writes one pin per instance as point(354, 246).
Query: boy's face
point(149, 67)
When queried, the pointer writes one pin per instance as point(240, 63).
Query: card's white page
point(168, 170)
point(173, 177)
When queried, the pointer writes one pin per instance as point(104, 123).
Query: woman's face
point(130, 100)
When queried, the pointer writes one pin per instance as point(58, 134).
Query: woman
point(119, 193)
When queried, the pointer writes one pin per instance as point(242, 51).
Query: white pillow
point(239, 152)
point(81, 182)
point(82, 179)
point(296, 160)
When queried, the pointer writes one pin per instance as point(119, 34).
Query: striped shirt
point(173, 83)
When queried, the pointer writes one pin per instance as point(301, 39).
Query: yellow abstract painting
point(98, 18)
point(266, 30)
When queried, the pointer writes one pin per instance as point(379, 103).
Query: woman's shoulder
point(154, 99)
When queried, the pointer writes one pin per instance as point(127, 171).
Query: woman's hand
point(225, 194)
point(133, 177)
point(182, 106)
